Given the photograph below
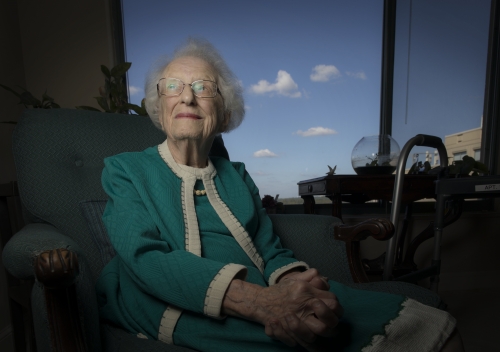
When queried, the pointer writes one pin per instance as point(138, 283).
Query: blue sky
point(311, 72)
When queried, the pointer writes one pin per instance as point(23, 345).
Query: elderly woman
point(197, 262)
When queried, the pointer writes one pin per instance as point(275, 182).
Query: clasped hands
point(299, 309)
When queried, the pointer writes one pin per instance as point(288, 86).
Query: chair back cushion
point(59, 157)
point(310, 238)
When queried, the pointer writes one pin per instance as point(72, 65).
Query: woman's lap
point(230, 334)
point(365, 314)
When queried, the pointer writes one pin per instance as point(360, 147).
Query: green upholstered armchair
point(59, 158)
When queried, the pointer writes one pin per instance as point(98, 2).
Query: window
point(439, 71)
point(310, 70)
point(459, 156)
point(477, 154)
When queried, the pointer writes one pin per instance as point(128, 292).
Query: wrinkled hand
point(299, 309)
point(312, 276)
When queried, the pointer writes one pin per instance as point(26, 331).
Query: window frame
point(490, 133)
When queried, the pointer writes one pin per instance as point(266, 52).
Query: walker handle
point(428, 141)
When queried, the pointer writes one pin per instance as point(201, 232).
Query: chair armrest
point(380, 229)
point(41, 251)
point(21, 251)
point(56, 268)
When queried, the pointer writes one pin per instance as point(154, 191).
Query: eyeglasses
point(172, 87)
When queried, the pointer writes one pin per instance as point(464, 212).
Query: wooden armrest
point(380, 229)
point(57, 270)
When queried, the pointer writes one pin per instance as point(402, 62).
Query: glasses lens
point(170, 86)
point(204, 89)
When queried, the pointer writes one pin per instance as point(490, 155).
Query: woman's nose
point(187, 95)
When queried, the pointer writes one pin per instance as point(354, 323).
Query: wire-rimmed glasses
point(172, 87)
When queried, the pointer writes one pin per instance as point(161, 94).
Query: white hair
point(229, 86)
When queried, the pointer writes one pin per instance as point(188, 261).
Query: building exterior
point(457, 146)
point(464, 143)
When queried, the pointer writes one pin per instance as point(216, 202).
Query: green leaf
point(137, 109)
point(120, 69)
point(120, 88)
point(113, 90)
point(427, 167)
point(84, 107)
point(119, 83)
point(103, 103)
point(28, 99)
point(106, 72)
point(102, 92)
point(468, 164)
point(107, 87)
point(413, 169)
point(45, 97)
point(11, 90)
point(455, 168)
point(23, 89)
point(112, 106)
point(481, 167)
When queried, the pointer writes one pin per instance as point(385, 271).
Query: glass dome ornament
point(375, 155)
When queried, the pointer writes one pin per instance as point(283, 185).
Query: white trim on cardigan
point(234, 226)
point(189, 175)
point(167, 324)
point(219, 285)
point(280, 271)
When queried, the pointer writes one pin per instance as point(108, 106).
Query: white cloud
point(316, 131)
point(284, 85)
point(260, 173)
point(134, 90)
point(264, 153)
point(323, 73)
point(358, 75)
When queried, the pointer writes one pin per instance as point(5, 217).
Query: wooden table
point(362, 188)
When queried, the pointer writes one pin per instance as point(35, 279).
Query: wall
point(55, 46)
point(64, 48)
point(11, 74)
point(466, 141)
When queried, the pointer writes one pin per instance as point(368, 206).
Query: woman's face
point(187, 116)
